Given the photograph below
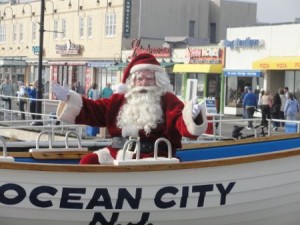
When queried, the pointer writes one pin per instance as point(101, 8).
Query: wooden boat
point(243, 182)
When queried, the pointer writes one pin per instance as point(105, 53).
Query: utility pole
point(40, 66)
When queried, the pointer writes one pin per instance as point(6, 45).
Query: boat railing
point(5, 157)
point(50, 147)
point(49, 121)
point(145, 161)
point(50, 138)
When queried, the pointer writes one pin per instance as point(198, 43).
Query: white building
point(264, 57)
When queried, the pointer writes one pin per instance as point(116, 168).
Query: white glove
point(196, 107)
point(60, 92)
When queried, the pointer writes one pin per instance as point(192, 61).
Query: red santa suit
point(176, 122)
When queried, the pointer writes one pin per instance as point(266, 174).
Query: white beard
point(142, 110)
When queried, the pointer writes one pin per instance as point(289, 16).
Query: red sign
point(205, 55)
point(157, 52)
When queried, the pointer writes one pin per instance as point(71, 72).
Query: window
point(21, 34)
point(2, 33)
point(15, 32)
point(235, 87)
point(192, 28)
point(90, 26)
point(81, 27)
point(110, 25)
point(213, 33)
point(55, 29)
point(33, 31)
point(63, 28)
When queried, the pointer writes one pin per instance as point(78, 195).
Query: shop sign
point(210, 105)
point(36, 50)
point(12, 62)
point(242, 73)
point(157, 52)
point(127, 18)
point(68, 49)
point(238, 44)
point(204, 55)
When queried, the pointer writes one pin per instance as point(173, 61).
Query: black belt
point(146, 147)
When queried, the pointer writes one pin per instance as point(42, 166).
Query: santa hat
point(143, 61)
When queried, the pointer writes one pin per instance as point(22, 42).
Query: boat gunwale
point(145, 168)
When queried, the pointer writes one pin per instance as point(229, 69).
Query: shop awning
point(117, 67)
point(197, 68)
point(242, 73)
point(278, 63)
point(12, 62)
point(100, 63)
point(166, 64)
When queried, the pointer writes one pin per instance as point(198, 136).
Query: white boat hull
point(263, 192)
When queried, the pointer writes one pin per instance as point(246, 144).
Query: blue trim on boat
point(53, 161)
point(237, 150)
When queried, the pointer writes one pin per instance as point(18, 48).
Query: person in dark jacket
point(275, 110)
point(249, 106)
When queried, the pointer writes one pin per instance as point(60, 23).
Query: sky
point(277, 11)
point(269, 11)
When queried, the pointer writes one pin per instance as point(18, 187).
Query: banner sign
point(210, 104)
point(127, 18)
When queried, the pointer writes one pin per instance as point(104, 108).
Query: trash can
point(92, 131)
point(290, 127)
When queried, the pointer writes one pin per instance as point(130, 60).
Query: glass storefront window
point(297, 85)
point(177, 83)
point(235, 87)
point(200, 82)
point(292, 81)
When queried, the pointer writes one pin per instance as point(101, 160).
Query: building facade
point(263, 57)
point(84, 40)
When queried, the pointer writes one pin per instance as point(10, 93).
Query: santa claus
point(146, 108)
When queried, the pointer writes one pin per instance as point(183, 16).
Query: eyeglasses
point(145, 77)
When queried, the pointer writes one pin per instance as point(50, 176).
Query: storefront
point(14, 67)
point(235, 81)
point(263, 57)
point(200, 73)
point(101, 74)
point(282, 70)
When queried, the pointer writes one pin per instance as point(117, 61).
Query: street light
point(23, 10)
point(12, 12)
point(39, 96)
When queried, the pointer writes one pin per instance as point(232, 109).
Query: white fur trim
point(193, 128)
point(130, 131)
point(67, 111)
point(128, 155)
point(146, 67)
point(104, 156)
point(121, 88)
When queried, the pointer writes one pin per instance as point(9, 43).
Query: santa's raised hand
point(61, 92)
point(197, 107)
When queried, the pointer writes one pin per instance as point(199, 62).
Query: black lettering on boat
point(202, 189)
point(34, 196)
point(184, 196)
point(159, 195)
point(143, 221)
point(71, 194)
point(134, 202)
point(20, 194)
point(98, 217)
point(224, 192)
point(101, 198)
